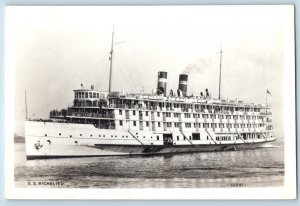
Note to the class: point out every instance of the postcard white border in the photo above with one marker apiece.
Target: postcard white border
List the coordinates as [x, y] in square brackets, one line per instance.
[288, 191]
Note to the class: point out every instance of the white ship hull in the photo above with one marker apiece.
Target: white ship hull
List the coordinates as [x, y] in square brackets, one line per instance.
[55, 140]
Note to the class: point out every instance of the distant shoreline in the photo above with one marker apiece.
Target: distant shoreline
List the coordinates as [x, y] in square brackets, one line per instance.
[19, 139]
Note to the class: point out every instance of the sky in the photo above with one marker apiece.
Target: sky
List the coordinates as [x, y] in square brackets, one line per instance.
[52, 50]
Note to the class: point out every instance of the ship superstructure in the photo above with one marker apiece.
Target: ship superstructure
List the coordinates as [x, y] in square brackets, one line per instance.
[117, 123]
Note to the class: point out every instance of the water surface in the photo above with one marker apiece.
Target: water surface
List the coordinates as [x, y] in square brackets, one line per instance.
[247, 168]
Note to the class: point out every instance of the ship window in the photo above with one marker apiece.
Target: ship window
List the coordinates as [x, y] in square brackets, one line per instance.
[158, 124]
[122, 136]
[115, 135]
[126, 136]
[59, 134]
[158, 114]
[136, 133]
[86, 94]
[99, 135]
[146, 113]
[121, 123]
[144, 137]
[190, 137]
[133, 112]
[94, 95]
[157, 137]
[45, 135]
[120, 112]
[97, 95]
[176, 124]
[147, 124]
[80, 135]
[103, 135]
[76, 142]
[134, 123]
[90, 95]
[187, 115]
[177, 137]
[70, 135]
[91, 135]
[111, 136]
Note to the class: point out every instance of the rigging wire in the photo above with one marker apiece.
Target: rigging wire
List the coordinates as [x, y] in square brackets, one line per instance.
[65, 89]
[135, 73]
[134, 84]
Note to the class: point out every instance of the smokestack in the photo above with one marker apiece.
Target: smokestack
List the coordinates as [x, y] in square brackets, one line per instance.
[183, 78]
[162, 83]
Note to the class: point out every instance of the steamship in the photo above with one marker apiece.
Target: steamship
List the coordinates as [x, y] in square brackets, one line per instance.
[116, 123]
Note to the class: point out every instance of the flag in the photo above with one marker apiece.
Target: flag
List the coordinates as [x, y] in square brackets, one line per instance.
[268, 92]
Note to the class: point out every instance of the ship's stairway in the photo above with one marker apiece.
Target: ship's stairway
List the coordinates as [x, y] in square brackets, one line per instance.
[264, 135]
[241, 137]
[135, 137]
[186, 138]
[211, 137]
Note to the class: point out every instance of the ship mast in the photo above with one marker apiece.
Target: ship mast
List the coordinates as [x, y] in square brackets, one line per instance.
[111, 60]
[220, 72]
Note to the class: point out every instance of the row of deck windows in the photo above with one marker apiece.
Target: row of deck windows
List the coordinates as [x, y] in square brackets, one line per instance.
[204, 125]
[185, 106]
[79, 95]
[204, 116]
[223, 138]
[218, 138]
[157, 137]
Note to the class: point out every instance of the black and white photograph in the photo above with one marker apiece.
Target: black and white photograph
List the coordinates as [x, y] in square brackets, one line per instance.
[127, 102]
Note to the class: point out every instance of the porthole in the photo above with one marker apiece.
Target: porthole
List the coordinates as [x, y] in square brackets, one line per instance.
[59, 134]
[103, 135]
[91, 135]
[111, 136]
[70, 135]
[144, 137]
[99, 135]
[80, 135]
[76, 142]
[115, 135]
[45, 135]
